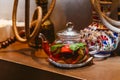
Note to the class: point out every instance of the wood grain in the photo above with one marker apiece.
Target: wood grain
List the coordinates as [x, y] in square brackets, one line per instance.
[20, 53]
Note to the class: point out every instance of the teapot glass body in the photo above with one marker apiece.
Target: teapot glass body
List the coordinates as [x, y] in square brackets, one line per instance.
[67, 48]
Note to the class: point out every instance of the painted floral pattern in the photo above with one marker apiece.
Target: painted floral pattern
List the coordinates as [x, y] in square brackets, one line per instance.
[99, 39]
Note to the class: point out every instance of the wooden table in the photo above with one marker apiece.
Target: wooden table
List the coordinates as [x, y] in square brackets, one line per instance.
[20, 53]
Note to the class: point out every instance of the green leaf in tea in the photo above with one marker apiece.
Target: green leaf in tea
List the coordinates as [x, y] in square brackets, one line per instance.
[55, 47]
[76, 46]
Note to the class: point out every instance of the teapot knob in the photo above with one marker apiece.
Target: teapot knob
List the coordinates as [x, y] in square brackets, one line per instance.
[69, 26]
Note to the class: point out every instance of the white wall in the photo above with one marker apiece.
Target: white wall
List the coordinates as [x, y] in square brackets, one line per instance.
[77, 11]
[6, 7]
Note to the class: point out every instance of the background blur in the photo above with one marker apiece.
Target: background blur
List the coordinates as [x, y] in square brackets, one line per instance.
[76, 11]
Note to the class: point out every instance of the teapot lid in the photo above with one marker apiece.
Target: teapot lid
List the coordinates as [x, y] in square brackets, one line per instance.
[69, 32]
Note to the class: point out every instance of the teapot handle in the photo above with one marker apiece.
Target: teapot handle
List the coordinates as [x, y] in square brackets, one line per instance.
[42, 37]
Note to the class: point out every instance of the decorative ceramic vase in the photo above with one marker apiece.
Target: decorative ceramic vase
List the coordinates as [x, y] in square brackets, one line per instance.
[101, 41]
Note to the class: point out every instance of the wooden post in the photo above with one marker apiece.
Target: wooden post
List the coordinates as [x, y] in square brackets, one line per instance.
[27, 8]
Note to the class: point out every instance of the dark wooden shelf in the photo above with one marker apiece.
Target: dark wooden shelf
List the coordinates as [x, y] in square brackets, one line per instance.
[20, 53]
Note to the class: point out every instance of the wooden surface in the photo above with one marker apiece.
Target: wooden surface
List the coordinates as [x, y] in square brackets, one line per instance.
[20, 53]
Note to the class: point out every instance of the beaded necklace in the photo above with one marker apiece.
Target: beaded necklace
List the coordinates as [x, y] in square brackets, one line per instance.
[11, 40]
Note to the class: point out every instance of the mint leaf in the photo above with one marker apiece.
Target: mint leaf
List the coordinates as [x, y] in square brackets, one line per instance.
[54, 47]
[76, 46]
[57, 51]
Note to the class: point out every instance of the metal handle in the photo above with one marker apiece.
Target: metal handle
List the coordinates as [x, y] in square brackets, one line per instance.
[37, 22]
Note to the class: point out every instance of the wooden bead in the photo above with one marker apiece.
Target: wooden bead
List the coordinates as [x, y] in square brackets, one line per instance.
[9, 41]
[6, 42]
[3, 45]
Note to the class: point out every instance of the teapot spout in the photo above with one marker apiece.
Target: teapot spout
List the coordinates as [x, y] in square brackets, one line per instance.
[45, 44]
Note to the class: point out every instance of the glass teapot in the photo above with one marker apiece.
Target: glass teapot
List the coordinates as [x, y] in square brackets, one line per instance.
[67, 50]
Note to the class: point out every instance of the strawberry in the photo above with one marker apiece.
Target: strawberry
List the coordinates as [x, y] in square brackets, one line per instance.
[66, 49]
